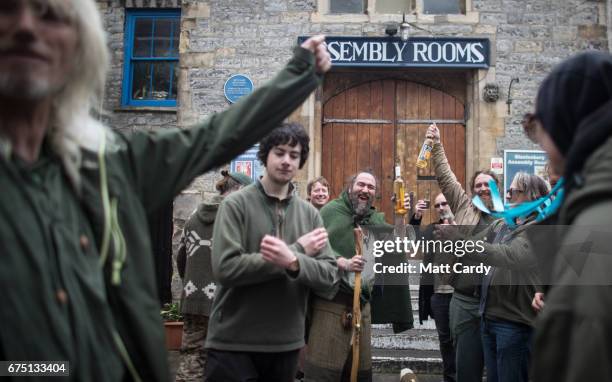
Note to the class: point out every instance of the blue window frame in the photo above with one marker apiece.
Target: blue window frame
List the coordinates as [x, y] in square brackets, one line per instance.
[151, 58]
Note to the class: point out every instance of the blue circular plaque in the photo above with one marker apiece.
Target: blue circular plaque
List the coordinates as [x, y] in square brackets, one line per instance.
[237, 86]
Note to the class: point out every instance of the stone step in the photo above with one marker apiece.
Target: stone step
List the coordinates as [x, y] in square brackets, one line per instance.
[427, 362]
[417, 348]
[422, 337]
[415, 339]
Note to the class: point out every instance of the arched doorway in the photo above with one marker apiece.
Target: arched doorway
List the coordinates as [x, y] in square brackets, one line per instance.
[373, 124]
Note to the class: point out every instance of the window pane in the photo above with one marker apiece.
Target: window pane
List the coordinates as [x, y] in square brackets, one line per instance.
[142, 37]
[154, 81]
[174, 88]
[164, 38]
[346, 6]
[393, 6]
[141, 80]
[176, 34]
[441, 7]
[164, 81]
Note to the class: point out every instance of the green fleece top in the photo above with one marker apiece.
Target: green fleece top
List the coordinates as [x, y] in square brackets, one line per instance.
[58, 301]
[259, 306]
[387, 301]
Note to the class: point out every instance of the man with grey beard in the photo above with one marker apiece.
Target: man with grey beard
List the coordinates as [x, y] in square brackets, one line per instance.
[327, 357]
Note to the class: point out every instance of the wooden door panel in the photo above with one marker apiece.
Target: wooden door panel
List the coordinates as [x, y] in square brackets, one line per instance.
[387, 149]
[337, 145]
[359, 146]
[351, 132]
[424, 103]
[360, 143]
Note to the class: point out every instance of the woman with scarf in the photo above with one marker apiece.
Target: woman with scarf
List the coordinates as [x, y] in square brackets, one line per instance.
[573, 123]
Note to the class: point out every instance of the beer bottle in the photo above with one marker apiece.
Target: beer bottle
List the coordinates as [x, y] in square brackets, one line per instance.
[425, 153]
[399, 191]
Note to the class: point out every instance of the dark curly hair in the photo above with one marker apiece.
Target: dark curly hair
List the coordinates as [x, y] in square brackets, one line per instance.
[485, 172]
[289, 133]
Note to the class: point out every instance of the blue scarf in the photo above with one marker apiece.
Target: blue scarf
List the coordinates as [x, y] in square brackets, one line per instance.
[543, 207]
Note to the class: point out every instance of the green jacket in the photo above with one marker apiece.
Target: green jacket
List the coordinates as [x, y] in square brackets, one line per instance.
[260, 307]
[338, 218]
[194, 255]
[515, 273]
[59, 302]
[573, 334]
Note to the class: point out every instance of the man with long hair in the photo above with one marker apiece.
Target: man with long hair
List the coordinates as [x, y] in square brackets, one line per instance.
[463, 309]
[77, 269]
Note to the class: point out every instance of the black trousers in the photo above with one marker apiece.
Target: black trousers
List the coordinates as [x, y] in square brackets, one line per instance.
[230, 366]
[439, 305]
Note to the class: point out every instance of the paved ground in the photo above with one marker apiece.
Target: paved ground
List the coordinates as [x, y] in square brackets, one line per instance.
[174, 356]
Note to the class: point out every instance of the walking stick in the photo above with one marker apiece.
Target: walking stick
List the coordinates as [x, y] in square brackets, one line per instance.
[356, 308]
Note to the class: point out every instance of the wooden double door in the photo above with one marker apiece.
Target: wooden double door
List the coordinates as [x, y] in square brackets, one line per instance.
[378, 123]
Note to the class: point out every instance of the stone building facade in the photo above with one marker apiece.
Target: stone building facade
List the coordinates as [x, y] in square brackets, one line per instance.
[219, 38]
[223, 37]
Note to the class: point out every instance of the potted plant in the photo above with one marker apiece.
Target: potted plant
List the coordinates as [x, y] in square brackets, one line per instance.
[173, 324]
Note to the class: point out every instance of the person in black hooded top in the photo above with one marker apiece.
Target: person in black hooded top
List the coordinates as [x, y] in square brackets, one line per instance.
[573, 123]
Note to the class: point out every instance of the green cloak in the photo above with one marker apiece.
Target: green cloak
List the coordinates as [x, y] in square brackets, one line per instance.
[389, 303]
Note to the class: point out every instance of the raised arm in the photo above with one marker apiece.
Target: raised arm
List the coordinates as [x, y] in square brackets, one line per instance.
[447, 181]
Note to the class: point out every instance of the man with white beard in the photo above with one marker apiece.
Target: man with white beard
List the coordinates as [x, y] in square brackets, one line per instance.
[76, 269]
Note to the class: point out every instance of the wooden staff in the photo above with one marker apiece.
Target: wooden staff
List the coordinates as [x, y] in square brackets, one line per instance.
[356, 307]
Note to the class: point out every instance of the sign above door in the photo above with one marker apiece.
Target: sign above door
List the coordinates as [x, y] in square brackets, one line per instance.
[451, 52]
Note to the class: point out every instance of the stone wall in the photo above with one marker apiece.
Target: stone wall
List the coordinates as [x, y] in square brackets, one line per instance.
[223, 37]
[123, 118]
[531, 37]
[609, 24]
